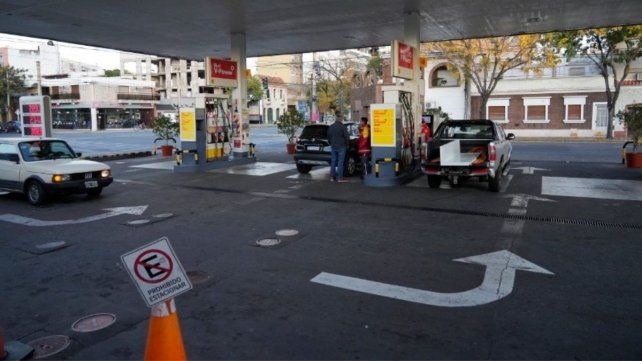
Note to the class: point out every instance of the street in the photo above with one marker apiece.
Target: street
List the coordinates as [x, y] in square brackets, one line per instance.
[537, 271]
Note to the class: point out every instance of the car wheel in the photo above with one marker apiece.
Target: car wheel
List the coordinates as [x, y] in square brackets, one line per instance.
[434, 181]
[350, 167]
[94, 192]
[494, 183]
[303, 168]
[36, 193]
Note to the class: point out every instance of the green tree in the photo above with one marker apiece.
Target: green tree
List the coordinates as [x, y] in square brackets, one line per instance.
[484, 62]
[13, 81]
[612, 50]
[254, 89]
[289, 124]
[112, 73]
[375, 64]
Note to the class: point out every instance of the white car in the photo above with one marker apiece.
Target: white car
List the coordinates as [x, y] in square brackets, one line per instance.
[39, 167]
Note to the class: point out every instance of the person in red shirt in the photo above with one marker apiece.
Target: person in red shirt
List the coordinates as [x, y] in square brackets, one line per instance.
[425, 130]
[364, 145]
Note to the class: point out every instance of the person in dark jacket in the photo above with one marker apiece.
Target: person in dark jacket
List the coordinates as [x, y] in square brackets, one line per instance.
[338, 138]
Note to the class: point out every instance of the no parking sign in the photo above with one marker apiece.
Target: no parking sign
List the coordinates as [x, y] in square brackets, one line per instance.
[156, 271]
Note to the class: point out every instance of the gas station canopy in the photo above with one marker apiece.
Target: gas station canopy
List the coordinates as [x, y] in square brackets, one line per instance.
[194, 29]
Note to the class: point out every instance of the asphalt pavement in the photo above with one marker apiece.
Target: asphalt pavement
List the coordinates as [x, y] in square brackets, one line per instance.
[374, 273]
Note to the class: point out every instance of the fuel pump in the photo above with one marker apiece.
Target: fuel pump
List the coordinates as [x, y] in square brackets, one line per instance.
[393, 140]
[206, 133]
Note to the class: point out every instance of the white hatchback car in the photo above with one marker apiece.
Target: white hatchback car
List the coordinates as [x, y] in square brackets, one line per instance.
[39, 167]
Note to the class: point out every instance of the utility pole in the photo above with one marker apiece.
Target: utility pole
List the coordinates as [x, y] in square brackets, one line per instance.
[38, 78]
[6, 73]
[314, 116]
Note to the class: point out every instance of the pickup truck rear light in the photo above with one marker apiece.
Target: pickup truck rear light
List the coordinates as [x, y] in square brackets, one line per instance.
[492, 154]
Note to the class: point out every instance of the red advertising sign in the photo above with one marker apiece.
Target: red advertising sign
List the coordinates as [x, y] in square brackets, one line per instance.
[403, 60]
[221, 72]
[406, 55]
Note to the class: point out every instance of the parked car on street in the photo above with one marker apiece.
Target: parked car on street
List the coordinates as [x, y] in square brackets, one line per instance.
[13, 126]
[40, 167]
[313, 148]
[483, 152]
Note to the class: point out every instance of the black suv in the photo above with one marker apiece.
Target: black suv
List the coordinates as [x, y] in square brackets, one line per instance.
[313, 148]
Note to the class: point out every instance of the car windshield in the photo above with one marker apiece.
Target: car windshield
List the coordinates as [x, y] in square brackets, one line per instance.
[467, 131]
[45, 149]
[314, 132]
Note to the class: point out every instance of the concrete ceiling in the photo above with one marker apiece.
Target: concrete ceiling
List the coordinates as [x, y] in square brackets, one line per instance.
[194, 29]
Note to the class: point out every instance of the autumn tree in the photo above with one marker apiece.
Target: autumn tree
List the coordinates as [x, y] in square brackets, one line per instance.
[612, 50]
[13, 81]
[484, 62]
[333, 86]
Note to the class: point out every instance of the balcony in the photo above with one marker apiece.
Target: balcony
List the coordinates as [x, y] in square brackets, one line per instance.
[65, 96]
[130, 96]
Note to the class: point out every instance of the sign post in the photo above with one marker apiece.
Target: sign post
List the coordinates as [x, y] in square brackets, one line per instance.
[35, 116]
[156, 272]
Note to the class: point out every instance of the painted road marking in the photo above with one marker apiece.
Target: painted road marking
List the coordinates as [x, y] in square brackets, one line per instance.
[257, 169]
[167, 165]
[518, 204]
[498, 282]
[111, 212]
[628, 190]
[531, 170]
[156, 272]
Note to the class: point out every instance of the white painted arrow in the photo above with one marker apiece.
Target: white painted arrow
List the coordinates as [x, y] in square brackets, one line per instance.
[531, 170]
[111, 212]
[521, 200]
[498, 283]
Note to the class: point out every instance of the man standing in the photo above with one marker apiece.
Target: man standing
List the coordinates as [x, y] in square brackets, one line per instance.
[338, 138]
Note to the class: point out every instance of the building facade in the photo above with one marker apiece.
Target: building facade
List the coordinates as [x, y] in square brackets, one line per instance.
[289, 69]
[97, 103]
[566, 101]
[274, 103]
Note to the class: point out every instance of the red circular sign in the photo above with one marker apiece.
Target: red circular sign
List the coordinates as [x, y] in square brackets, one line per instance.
[153, 270]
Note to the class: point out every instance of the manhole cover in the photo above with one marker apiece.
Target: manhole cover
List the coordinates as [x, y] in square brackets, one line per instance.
[49, 345]
[163, 215]
[268, 242]
[287, 232]
[198, 276]
[138, 222]
[93, 323]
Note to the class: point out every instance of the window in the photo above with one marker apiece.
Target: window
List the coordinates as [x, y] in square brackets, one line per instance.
[536, 110]
[277, 113]
[574, 109]
[497, 110]
[467, 131]
[45, 149]
[6, 150]
[281, 94]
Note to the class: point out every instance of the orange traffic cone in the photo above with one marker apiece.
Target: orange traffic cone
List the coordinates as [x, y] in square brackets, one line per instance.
[164, 340]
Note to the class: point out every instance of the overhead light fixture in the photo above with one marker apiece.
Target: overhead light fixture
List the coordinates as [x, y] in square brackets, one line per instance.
[533, 20]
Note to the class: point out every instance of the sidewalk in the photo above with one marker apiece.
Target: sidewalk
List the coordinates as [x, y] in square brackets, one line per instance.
[568, 140]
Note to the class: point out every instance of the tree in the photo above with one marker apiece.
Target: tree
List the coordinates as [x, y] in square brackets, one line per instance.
[612, 50]
[333, 87]
[112, 73]
[254, 89]
[484, 62]
[13, 80]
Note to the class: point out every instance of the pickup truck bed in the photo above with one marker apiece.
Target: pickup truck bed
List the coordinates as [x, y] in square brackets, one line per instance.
[474, 148]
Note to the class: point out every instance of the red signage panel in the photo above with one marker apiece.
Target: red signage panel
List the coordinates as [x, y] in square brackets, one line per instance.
[220, 72]
[406, 55]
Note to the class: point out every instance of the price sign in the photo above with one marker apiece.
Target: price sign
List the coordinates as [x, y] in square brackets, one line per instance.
[35, 115]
